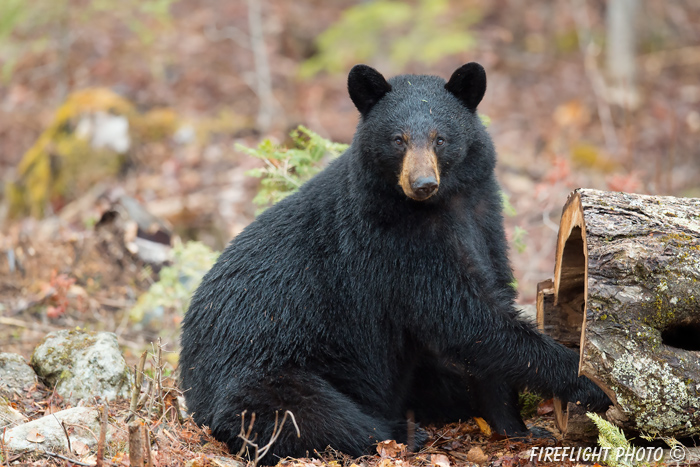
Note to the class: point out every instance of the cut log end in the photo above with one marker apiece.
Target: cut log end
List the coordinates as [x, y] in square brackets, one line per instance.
[571, 273]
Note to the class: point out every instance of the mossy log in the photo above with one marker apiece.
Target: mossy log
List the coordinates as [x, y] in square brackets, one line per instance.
[629, 267]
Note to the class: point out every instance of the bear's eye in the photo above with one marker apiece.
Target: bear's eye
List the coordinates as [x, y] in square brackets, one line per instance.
[440, 141]
[399, 141]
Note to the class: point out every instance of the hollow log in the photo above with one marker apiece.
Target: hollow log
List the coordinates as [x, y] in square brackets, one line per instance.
[560, 322]
[629, 267]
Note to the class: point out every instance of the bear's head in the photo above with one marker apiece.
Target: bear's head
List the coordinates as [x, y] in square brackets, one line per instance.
[416, 129]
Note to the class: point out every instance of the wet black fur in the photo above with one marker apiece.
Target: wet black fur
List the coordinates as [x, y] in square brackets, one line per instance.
[351, 305]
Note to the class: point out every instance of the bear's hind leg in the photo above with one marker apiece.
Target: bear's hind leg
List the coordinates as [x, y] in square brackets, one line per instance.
[325, 417]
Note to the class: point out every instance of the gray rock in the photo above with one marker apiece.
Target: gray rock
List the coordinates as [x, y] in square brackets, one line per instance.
[46, 433]
[15, 374]
[82, 365]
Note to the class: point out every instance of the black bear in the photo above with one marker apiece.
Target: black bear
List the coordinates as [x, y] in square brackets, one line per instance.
[381, 288]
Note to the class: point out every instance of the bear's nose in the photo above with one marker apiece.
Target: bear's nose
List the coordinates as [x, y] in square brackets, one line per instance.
[424, 187]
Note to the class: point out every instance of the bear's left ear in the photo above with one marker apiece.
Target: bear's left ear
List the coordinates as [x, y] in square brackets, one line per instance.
[366, 86]
[468, 84]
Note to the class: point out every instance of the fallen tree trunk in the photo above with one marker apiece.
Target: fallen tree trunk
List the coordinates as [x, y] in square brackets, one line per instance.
[627, 282]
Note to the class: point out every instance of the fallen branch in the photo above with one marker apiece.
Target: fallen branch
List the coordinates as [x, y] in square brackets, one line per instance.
[627, 282]
[72, 461]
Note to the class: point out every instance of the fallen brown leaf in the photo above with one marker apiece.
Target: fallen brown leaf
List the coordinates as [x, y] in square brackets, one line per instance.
[476, 455]
[35, 437]
[440, 460]
[79, 447]
[483, 426]
[545, 407]
[390, 448]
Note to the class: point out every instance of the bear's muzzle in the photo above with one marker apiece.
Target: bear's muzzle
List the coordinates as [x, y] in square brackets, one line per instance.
[420, 176]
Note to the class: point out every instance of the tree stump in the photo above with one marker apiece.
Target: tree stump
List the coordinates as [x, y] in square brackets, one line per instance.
[627, 282]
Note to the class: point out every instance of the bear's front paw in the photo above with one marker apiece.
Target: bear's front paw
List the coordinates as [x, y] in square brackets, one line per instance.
[592, 397]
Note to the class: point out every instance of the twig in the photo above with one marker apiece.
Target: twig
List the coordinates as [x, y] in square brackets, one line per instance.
[4, 448]
[147, 436]
[158, 364]
[86, 428]
[176, 405]
[103, 436]
[72, 461]
[276, 432]
[172, 438]
[65, 431]
[136, 388]
[245, 436]
[146, 395]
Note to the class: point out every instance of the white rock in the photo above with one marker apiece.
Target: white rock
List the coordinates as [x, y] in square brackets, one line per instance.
[105, 130]
[49, 432]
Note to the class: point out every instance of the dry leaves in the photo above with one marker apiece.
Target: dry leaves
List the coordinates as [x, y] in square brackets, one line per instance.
[91, 459]
[391, 448]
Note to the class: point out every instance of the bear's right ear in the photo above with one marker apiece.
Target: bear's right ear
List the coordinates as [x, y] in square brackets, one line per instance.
[468, 84]
[366, 86]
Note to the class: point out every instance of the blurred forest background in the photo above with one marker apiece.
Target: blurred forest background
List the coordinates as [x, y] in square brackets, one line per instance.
[141, 109]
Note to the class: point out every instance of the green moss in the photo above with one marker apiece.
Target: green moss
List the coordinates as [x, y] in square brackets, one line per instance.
[65, 374]
[677, 237]
[528, 403]
[60, 354]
